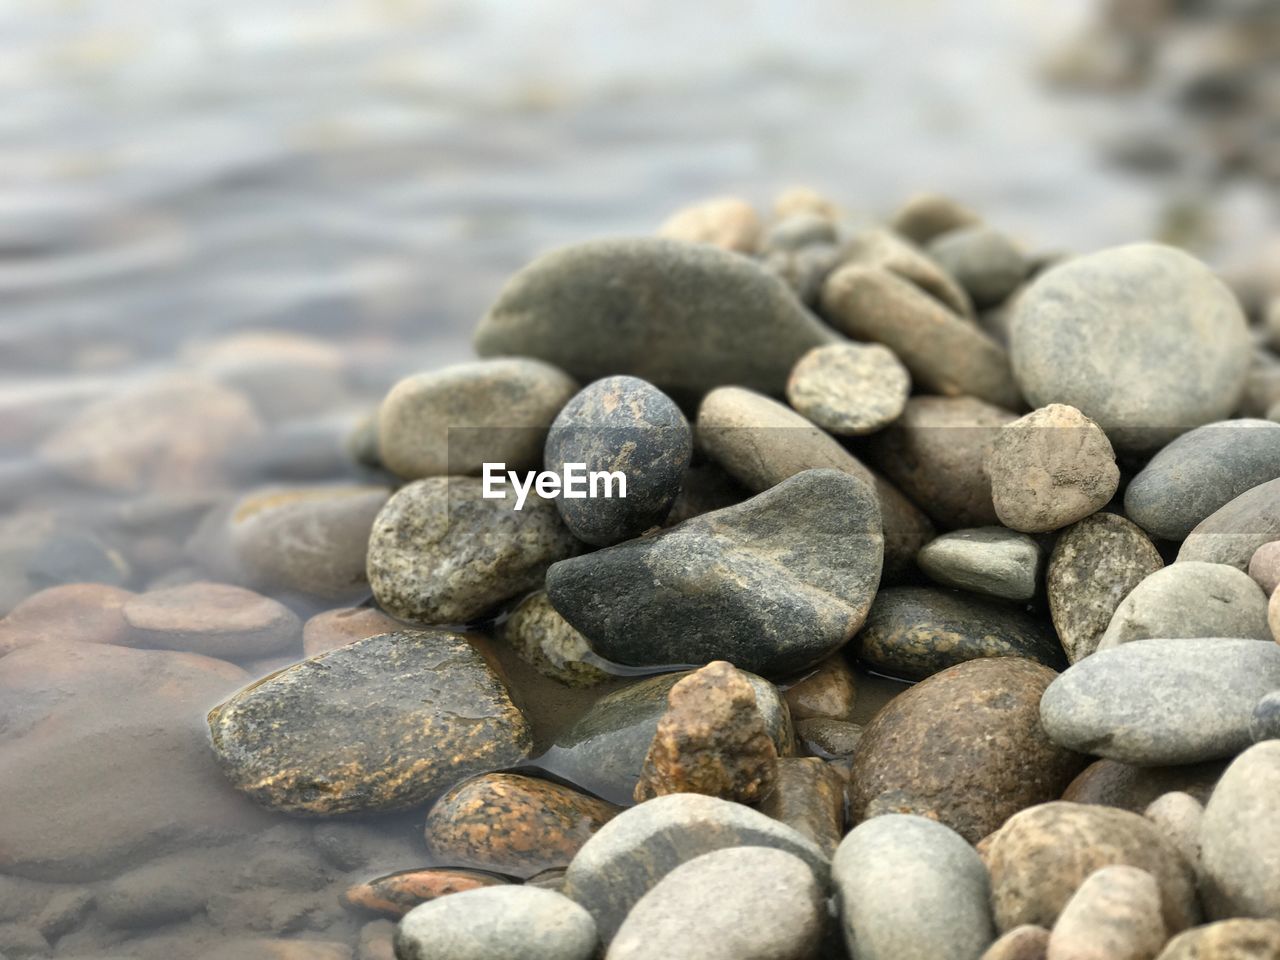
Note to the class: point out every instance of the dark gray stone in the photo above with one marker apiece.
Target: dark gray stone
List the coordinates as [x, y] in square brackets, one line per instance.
[1234, 531]
[1265, 722]
[528, 923]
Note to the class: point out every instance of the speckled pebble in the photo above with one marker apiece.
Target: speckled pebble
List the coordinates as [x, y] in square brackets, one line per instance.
[546, 641]
[508, 921]
[850, 389]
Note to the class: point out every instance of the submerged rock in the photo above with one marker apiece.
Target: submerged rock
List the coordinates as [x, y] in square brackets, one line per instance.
[504, 921]
[396, 894]
[548, 643]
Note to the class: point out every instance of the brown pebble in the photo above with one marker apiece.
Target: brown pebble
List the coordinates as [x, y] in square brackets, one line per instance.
[829, 739]
[215, 619]
[1027, 942]
[377, 941]
[727, 222]
[893, 252]
[928, 215]
[829, 692]
[1111, 783]
[1178, 816]
[804, 200]
[79, 612]
[809, 797]
[336, 628]
[396, 894]
[1114, 915]
[1264, 566]
[1227, 940]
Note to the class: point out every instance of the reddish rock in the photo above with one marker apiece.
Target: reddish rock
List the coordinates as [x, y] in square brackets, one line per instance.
[809, 798]
[79, 612]
[829, 692]
[216, 619]
[398, 893]
[336, 628]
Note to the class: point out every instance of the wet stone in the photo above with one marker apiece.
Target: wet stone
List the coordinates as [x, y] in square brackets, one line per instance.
[726, 222]
[829, 739]
[396, 894]
[215, 619]
[1240, 838]
[504, 921]
[808, 796]
[984, 261]
[992, 561]
[337, 628]
[1233, 532]
[382, 724]
[73, 612]
[849, 389]
[545, 640]
[829, 691]
[511, 824]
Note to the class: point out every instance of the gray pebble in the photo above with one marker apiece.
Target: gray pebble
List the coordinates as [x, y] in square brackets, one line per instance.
[515, 922]
[1240, 838]
[1265, 722]
[993, 561]
[985, 262]
[1233, 532]
[850, 389]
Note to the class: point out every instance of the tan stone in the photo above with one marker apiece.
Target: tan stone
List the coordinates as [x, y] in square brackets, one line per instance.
[727, 222]
[336, 628]
[71, 612]
[828, 692]
[1114, 915]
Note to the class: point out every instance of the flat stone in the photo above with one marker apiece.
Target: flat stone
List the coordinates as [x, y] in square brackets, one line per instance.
[911, 889]
[1232, 533]
[268, 948]
[726, 222]
[511, 824]
[983, 260]
[927, 216]
[772, 585]
[215, 619]
[548, 643]
[829, 739]
[1118, 703]
[829, 691]
[1049, 469]
[808, 796]
[1264, 723]
[914, 632]
[1027, 942]
[992, 561]
[884, 249]
[1113, 784]
[453, 421]
[1240, 838]
[1093, 567]
[396, 894]
[1190, 599]
[1042, 855]
[1199, 473]
[1120, 334]
[1114, 914]
[381, 724]
[1178, 816]
[741, 903]
[963, 747]
[685, 317]
[507, 921]
[70, 612]
[1227, 940]
[636, 849]
[850, 389]
[1264, 566]
[337, 628]
[442, 553]
[621, 425]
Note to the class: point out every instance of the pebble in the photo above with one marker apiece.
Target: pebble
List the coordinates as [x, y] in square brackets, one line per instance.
[1190, 599]
[1234, 532]
[911, 889]
[1264, 566]
[441, 553]
[453, 421]
[1094, 565]
[829, 739]
[1027, 942]
[71, 612]
[927, 216]
[884, 249]
[1113, 915]
[1114, 784]
[808, 796]
[707, 487]
[945, 352]
[1273, 615]
[992, 561]
[726, 222]
[935, 453]
[801, 229]
[545, 640]
[395, 895]
[627, 426]
[1178, 815]
[850, 389]
[772, 585]
[1240, 838]
[829, 691]
[684, 317]
[914, 632]
[504, 921]
[1042, 855]
[804, 270]
[1120, 334]
[309, 540]
[377, 941]
[511, 824]
[215, 619]
[983, 260]
[740, 903]
[1264, 724]
[1227, 940]
[380, 724]
[963, 747]
[337, 628]
[23, 942]
[276, 949]
[1199, 473]
[636, 849]
[1049, 469]
[1162, 701]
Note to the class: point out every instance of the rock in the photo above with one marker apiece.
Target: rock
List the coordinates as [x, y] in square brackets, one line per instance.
[1264, 724]
[945, 353]
[883, 249]
[1200, 472]
[505, 921]
[743, 903]
[798, 200]
[395, 895]
[1178, 816]
[337, 628]
[41, 549]
[605, 748]
[627, 426]
[1232, 533]
[441, 553]
[1240, 839]
[1264, 566]
[804, 270]
[1114, 784]
[381, 724]
[963, 747]
[72, 612]
[23, 942]
[1114, 915]
[277, 949]
[377, 941]
[1120, 334]
[830, 691]
[1116, 703]
[685, 317]
[1027, 942]
[167, 890]
[799, 230]
[829, 739]
[914, 632]
[636, 849]
[453, 421]
[1273, 615]
[707, 487]
[927, 216]
[992, 561]
[170, 434]
[1093, 567]
[1190, 599]
[286, 375]
[772, 585]
[545, 640]
[514, 825]
[309, 540]
[1227, 940]
[711, 740]
[726, 222]
[935, 452]
[808, 796]
[215, 619]
[1042, 855]
[761, 443]
[64, 912]
[850, 388]
[1049, 469]
[77, 713]
[985, 262]
[911, 889]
